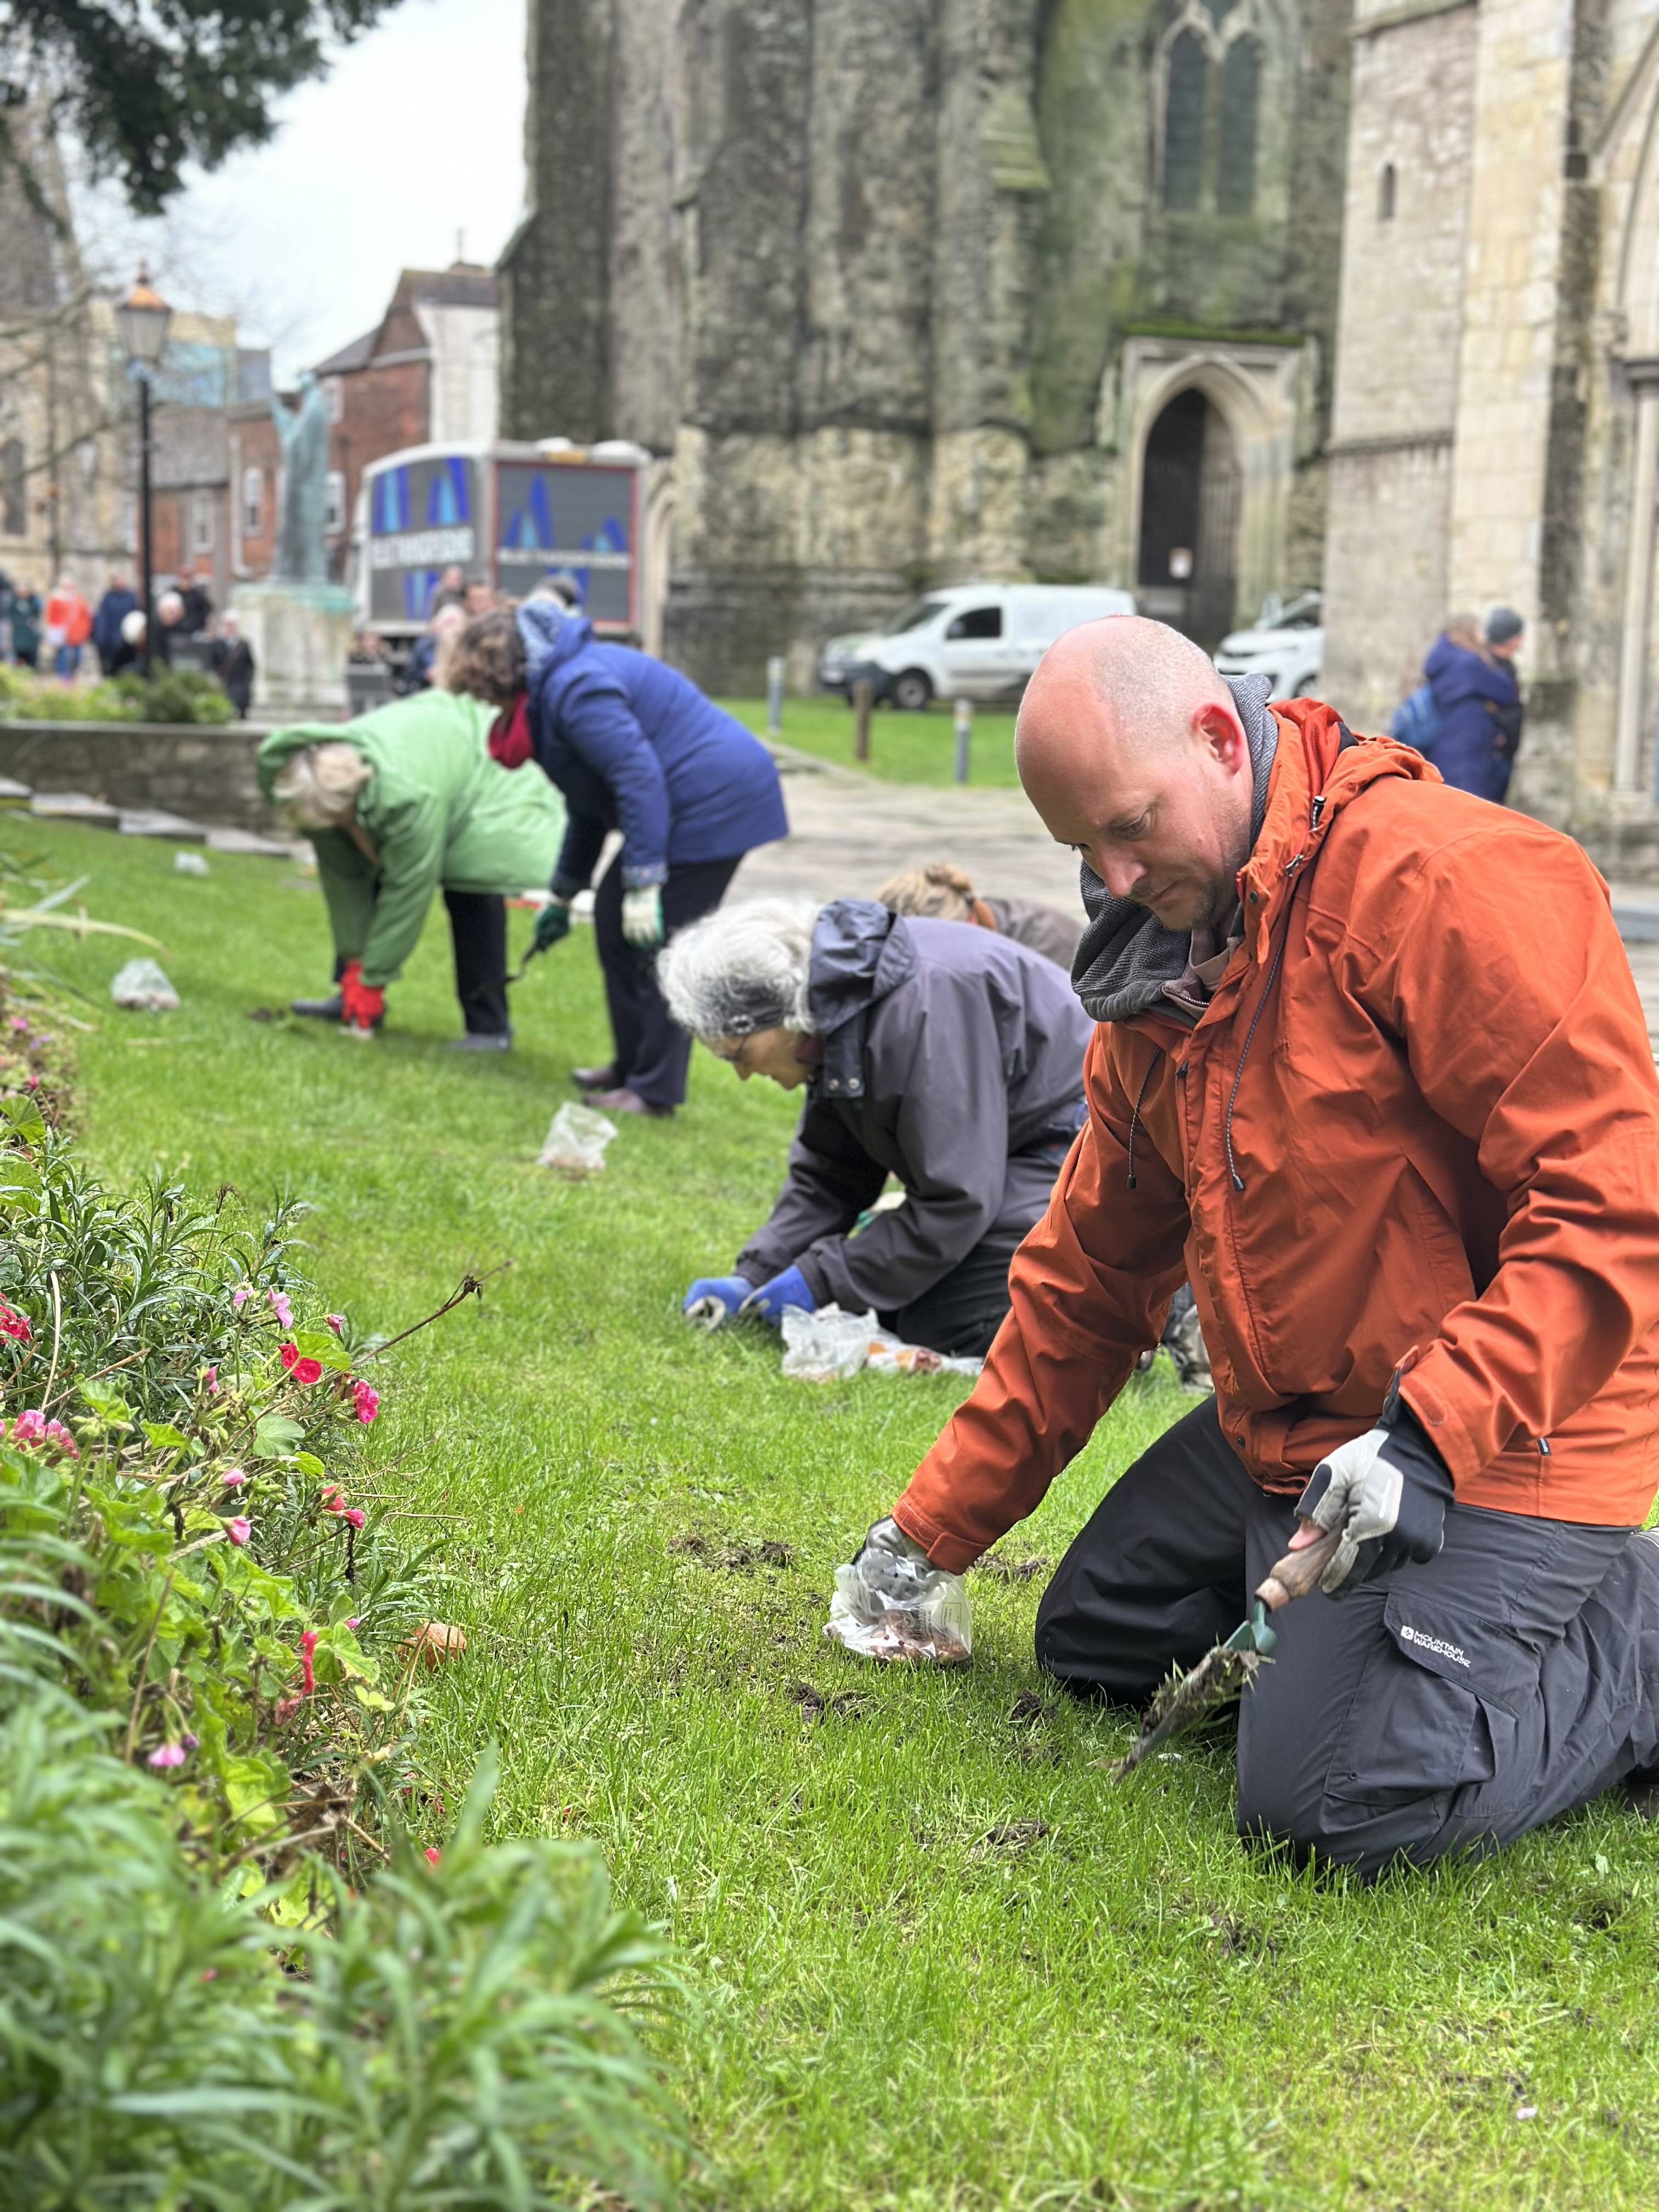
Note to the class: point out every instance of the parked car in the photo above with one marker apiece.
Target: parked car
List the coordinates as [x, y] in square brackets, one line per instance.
[1287, 644]
[968, 641]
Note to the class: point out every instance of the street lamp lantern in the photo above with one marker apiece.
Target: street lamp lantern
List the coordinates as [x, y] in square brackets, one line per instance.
[143, 317]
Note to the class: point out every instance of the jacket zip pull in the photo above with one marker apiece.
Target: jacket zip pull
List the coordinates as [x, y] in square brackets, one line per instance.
[1317, 810]
[1134, 1118]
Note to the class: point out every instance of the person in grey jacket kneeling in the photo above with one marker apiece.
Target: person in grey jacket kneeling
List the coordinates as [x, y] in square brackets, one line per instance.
[949, 1058]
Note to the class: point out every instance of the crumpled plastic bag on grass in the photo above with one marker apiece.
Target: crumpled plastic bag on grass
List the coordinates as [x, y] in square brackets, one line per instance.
[828, 1346]
[891, 1603]
[142, 984]
[576, 1138]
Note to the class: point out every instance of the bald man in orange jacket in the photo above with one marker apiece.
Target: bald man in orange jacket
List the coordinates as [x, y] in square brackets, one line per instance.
[1370, 1072]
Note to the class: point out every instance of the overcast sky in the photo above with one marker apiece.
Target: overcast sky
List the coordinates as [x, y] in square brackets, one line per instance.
[415, 136]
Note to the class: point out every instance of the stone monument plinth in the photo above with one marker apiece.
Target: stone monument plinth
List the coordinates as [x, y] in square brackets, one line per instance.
[301, 635]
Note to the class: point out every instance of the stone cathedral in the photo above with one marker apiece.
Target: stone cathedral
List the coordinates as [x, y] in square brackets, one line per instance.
[1208, 297]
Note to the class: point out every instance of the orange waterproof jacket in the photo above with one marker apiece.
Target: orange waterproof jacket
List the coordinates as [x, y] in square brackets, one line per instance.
[1429, 1060]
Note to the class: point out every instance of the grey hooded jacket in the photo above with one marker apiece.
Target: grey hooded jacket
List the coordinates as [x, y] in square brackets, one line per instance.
[953, 1059]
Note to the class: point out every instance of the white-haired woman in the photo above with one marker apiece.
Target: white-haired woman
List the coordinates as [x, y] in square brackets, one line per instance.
[398, 805]
[949, 1058]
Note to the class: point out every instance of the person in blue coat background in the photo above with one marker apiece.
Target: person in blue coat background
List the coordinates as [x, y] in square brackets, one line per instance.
[635, 746]
[1477, 702]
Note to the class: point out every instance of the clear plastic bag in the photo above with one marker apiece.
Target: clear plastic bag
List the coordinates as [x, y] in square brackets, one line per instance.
[576, 1138]
[829, 1345]
[142, 984]
[891, 1603]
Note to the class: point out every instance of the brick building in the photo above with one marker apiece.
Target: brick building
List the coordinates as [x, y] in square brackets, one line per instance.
[425, 374]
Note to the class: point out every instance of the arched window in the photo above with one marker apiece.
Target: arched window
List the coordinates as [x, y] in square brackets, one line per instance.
[1211, 63]
[1241, 86]
[1184, 122]
[1387, 189]
[13, 504]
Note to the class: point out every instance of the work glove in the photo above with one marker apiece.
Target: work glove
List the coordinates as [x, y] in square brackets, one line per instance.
[1388, 1492]
[712, 1300]
[767, 1304]
[552, 924]
[642, 916]
[891, 1603]
[362, 1005]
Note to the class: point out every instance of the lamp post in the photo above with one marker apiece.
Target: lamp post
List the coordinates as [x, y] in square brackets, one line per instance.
[143, 317]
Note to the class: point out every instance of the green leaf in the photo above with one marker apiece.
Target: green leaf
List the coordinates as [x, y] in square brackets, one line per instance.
[165, 1436]
[276, 1436]
[324, 1347]
[255, 1786]
[308, 1463]
[374, 1701]
[107, 1402]
[27, 1119]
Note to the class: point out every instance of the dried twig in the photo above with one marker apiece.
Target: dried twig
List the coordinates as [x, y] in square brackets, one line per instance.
[472, 1286]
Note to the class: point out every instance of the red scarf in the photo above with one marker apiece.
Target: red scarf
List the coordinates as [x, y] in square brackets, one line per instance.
[509, 733]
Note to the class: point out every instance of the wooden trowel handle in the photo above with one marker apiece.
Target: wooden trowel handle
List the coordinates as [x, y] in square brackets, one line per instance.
[1298, 1572]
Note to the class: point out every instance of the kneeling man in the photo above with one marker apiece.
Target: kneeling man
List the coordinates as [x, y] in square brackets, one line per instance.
[950, 1058]
[1371, 1071]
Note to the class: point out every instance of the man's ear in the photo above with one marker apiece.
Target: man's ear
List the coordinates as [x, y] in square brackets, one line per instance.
[1223, 733]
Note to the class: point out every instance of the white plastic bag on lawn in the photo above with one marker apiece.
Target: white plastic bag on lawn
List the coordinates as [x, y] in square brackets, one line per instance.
[891, 1603]
[828, 1346]
[576, 1138]
[142, 984]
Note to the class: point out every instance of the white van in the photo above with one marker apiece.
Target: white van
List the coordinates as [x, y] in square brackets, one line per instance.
[968, 642]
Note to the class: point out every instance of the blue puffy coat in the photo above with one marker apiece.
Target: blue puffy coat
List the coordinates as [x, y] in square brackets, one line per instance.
[1478, 702]
[635, 746]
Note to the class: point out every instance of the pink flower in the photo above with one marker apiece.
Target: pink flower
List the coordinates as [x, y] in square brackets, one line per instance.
[278, 1299]
[211, 1376]
[189, 1741]
[29, 1427]
[366, 1399]
[355, 1515]
[286, 1708]
[334, 1499]
[302, 1371]
[20, 1021]
[307, 1646]
[240, 1295]
[166, 1754]
[336, 1322]
[57, 1435]
[233, 1477]
[238, 1528]
[14, 1324]
[354, 1620]
[33, 1081]
[433, 1855]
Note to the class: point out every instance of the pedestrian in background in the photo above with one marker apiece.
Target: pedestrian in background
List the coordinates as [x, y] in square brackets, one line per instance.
[634, 745]
[27, 614]
[230, 657]
[68, 625]
[446, 621]
[195, 603]
[117, 603]
[1477, 701]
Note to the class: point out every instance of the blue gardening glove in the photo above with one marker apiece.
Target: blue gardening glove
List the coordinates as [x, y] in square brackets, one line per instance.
[552, 924]
[714, 1299]
[788, 1289]
[1388, 1492]
[641, 917]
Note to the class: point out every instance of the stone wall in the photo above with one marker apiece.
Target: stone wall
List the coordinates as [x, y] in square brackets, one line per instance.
[206, 775]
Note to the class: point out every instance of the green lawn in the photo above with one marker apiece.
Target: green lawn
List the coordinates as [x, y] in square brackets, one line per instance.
[939, 1964]
[903, 748]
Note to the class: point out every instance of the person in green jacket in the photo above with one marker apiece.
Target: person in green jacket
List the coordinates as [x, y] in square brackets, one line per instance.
[397, 805]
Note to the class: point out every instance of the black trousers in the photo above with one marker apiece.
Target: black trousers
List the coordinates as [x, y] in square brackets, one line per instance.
[478, 929]
[1449, 1707]
[652, 1051]
[963, 1310]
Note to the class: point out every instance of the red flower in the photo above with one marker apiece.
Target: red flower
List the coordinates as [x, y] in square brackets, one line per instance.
[12, 1323]
[431, 1854]
[334, 1499]
[367, 1401]
[355, 1515]
[302, 1371]
[308, 1645]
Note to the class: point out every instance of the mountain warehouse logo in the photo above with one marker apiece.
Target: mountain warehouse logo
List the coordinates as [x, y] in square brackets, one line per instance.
[1455, 1652]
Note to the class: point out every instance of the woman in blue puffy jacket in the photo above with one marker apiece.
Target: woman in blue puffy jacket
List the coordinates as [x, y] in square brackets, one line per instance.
[1478, 703]
[634, 746]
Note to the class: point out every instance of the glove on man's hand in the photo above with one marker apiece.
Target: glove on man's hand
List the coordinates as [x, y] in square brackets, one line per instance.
[362, 1005]
[552, 924]
[788, 1289]
[728, 1291]
[891, 1603]
[1388, 1492]
[641, 917]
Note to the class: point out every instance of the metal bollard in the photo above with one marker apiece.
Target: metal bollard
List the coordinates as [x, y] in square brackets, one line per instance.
[965, 727]
[863, 698]
[774, 696]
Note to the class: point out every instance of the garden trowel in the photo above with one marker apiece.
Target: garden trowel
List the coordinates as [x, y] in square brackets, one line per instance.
[1223, 1672]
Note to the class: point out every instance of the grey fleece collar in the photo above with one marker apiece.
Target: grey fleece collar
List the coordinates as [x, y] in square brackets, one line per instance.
[1127, 956]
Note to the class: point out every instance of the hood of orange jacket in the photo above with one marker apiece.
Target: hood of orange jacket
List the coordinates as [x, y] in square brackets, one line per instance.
[1415, 1131]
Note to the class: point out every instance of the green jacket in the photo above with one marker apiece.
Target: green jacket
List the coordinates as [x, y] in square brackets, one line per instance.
[439, 813]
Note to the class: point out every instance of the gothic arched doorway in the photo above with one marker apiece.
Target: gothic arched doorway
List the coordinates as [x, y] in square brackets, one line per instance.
[1188, 564]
